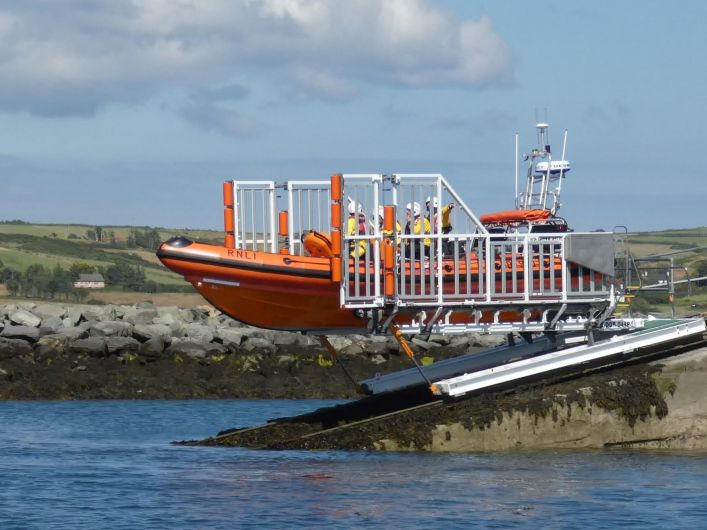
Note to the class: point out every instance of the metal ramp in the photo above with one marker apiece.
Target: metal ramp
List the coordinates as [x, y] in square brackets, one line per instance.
[543, 365]
[617, 342]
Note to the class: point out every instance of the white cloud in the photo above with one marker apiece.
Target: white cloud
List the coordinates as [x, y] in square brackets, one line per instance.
[76, 56]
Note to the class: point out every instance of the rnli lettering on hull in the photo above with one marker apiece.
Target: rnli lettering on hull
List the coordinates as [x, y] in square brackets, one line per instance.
[241, 254]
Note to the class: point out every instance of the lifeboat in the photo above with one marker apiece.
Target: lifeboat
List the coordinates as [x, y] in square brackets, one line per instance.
[297, 293]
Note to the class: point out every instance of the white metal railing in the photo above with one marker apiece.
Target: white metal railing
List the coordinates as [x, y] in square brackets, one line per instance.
[361, 238]
[254, 215]
[255, 207]
[309, 208]
[460, 265]
[443, 255]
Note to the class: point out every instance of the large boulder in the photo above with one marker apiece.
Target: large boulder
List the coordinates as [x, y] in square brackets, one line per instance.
[425, 344]
[93, 346]
[99, 313]
[74, 333]
[73, 316]
[438, 338]
[258, 333]
[27, 306]
[169, 316]
[139, 316]
[51, 324]
[44, 311]
[194, 350]
[488, 341]
[152, 348]
[6, 310]
[50, 345]
[339, 342]
[143, 333]
[187, 315]
[284, 338]
[305, 341]
[27, 333]
[172, 321]
[111, 329]
[22, 317]
[258, 344]
[199, 333]
[375, 348]
[115, 345]
[459, 341]
[352, 350]
[229, 336]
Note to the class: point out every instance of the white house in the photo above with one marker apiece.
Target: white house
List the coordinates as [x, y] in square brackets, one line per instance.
[90, 281]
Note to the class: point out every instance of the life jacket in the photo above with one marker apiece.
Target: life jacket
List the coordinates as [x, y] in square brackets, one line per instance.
[356, 226]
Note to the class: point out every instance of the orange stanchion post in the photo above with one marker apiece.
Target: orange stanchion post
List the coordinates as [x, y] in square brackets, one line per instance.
[229, 217]
[388, 268]
[389, 219]
[336, 191]
[283, 232]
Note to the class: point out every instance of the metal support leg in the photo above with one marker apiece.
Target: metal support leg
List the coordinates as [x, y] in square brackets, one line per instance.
[404, 345]
[332, 351]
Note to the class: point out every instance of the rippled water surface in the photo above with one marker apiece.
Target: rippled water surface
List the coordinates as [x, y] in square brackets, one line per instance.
[111, 465]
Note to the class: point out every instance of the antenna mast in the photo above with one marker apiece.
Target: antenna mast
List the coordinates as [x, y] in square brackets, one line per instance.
[543, 171]
[516, 195]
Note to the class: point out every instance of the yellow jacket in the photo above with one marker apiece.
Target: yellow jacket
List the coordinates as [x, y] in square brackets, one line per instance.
[398, 230]
[356, 248]
[446, 211]
[446, 223]
[421, 223]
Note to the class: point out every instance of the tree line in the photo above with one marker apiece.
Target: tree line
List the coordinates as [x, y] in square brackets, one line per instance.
[149, 239]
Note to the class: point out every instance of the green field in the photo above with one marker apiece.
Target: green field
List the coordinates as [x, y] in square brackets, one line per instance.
[22, 245]
[687, 247]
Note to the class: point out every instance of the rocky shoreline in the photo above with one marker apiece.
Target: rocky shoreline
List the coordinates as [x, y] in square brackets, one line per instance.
[53, 351]
[58, 351]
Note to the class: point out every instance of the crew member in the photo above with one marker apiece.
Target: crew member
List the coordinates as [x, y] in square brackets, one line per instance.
[432, 206]
[356, 225]
[417, 225]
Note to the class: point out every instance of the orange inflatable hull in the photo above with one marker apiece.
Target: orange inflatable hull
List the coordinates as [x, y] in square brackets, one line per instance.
[514, 216]
[296, 293]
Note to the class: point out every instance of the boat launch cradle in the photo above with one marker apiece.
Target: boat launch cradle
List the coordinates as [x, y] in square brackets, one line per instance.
[406, 249]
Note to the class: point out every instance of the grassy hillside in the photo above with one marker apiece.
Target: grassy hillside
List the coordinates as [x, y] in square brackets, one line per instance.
[24, 244]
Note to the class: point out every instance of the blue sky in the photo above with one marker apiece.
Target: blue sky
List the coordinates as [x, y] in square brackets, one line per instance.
[134, 112]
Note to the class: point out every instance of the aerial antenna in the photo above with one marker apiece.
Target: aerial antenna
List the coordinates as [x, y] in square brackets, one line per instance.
[557, 204]
[516, 196]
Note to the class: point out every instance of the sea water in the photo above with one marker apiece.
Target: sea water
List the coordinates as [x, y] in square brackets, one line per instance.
[111, 464]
